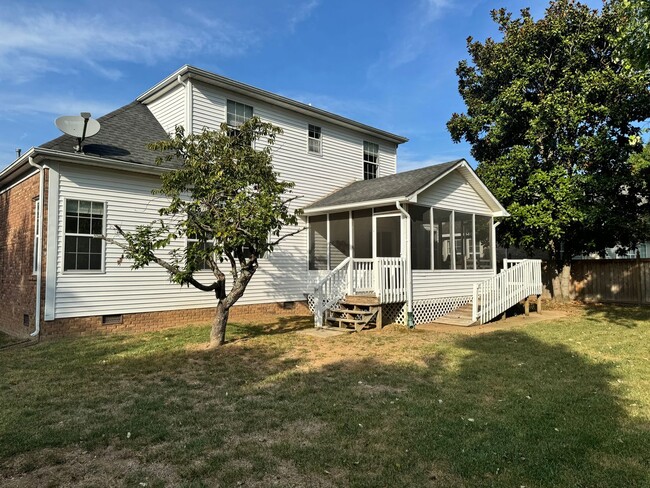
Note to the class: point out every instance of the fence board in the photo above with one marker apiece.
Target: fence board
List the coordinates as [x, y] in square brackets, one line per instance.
[611, 280]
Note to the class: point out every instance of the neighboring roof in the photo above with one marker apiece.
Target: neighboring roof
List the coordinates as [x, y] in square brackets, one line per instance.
[211, 78]
[124, 135]
[393, 187]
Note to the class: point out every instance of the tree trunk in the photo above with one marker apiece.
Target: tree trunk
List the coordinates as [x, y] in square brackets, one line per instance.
[218, 332]
[561, 282]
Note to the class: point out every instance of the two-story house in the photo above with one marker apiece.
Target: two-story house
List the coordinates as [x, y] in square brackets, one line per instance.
[417, 241]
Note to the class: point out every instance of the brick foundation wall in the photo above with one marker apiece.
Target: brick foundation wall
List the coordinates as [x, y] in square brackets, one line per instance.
[17, 281]
[151, 321]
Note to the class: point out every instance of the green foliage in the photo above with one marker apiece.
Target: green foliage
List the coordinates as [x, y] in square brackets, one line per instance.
[552, 118]
[633, 32]
[225, 197]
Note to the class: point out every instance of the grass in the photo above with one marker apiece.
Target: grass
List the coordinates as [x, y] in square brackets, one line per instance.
[559, 403]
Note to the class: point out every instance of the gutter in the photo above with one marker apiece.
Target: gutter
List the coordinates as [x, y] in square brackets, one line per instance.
[409, 274]
[39, 272]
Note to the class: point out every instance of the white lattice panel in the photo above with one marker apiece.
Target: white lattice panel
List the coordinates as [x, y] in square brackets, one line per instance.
[425, 311]
[393, 313]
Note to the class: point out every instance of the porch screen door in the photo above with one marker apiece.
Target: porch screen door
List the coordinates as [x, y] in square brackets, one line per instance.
[388, 236]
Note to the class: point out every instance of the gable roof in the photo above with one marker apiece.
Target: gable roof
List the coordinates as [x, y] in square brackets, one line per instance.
[124, 135]
[393, 187]
[192, 73]
[397, 187]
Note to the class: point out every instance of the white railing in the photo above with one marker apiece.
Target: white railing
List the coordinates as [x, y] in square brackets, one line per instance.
[385, 277]
[519, 279]
[330, 290]
[390, 280]
[361, 281]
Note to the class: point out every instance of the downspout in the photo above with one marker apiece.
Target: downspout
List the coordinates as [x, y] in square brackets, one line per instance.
[39, 272]
[409, 274]
[494, 246]
[189, 129]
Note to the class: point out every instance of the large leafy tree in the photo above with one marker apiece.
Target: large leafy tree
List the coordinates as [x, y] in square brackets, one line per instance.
[552, 117]
[633, 32]
[227, 200]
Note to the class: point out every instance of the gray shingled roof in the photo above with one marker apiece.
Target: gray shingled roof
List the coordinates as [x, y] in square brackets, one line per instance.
[393, 186]
[124, 135]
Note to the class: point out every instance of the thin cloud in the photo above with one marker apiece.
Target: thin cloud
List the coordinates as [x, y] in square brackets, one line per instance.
[12, 104]
[302, 13]
[51, 41]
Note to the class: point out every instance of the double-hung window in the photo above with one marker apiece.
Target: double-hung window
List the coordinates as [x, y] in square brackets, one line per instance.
[196, 249]
[82, 250]
[314, 140]
[370, 160]
[236, 114]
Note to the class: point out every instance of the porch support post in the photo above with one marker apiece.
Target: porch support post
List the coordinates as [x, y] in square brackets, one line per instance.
[408, 275]
[494, 245]
[351, 253]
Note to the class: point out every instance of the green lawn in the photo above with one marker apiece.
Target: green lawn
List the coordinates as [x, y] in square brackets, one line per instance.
[559, 403]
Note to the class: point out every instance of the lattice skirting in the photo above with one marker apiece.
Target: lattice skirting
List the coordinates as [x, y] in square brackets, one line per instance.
[393, 313]
[425, 311]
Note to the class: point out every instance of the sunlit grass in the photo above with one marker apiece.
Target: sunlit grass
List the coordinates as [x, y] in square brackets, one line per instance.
[562, 403]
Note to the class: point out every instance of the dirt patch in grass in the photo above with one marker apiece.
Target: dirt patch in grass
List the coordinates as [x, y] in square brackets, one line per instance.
[71, 467]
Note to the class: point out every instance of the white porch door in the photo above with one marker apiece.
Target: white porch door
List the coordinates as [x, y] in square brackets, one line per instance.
[388, 236]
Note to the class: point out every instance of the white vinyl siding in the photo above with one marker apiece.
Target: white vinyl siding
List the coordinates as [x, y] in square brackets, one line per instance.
[446, 283]
[453, 192]
[340, 165]
[129, 202]
[169, 109]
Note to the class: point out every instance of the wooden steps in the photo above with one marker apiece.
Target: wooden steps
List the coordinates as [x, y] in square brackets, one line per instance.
[357, 311]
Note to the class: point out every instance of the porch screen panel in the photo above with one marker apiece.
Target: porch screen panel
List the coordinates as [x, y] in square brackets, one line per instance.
[318, 242]
[339, 238]
[420, 237]
[442, 239]
[483, 242]
[463, 234]
[362, 224]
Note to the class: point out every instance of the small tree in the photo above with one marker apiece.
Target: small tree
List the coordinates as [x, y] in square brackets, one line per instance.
[225, 197]
[552, 119]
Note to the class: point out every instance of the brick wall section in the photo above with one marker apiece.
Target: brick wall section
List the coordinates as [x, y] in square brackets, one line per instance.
[151, 321]
[17, 282]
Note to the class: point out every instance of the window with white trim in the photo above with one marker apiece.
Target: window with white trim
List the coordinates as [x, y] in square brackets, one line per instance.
[199, 263]
[314, 140]
[82, 250]
[37, 236]
[370, 160]
[236, 114]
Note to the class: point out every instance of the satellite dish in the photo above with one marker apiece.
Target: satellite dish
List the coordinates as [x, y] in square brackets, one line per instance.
[79, 126]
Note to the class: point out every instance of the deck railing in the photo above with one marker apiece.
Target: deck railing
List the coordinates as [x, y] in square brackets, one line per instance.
[385, 277]
[330, 290]
[519, 279]
[390, 280]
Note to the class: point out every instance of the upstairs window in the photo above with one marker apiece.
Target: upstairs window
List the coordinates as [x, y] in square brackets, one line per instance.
[82, 250]
[314, 141]
[236, 114]
[370, 160]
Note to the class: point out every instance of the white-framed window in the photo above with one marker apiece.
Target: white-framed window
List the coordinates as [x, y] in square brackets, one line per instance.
[84, 219]
[314, 139]
[370, 160]
[200, 264]
[37, 236]
[236, 114]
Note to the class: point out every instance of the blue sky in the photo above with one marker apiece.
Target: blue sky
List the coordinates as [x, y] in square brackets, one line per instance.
[389, 64]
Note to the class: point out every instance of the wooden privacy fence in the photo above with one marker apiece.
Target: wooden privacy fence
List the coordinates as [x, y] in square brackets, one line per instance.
[611, 280]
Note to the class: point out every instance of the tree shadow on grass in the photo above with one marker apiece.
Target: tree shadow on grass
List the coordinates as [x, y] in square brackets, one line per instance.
[501, 409]
[627, 316]
[280, 325]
